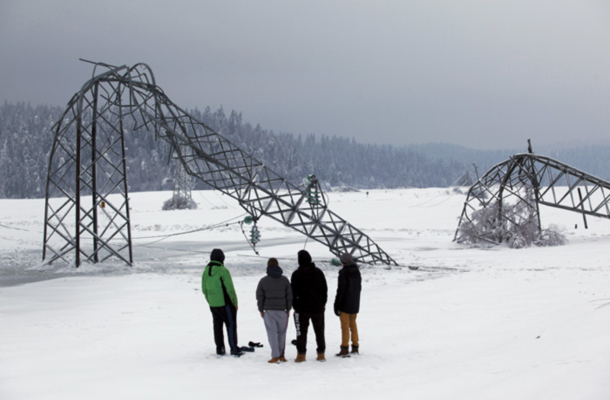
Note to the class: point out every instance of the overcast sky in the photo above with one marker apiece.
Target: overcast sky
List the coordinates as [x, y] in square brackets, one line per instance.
[485, 74]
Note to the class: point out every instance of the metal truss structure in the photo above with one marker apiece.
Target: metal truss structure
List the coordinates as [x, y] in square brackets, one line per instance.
[87, 193]
[529, 180]
[183, 194]
[182, 185]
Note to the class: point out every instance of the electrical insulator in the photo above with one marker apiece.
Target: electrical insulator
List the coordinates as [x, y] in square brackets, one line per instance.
[313, 197]
[255, 235]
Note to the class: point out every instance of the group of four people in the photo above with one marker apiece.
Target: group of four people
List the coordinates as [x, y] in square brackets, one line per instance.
[306, 293]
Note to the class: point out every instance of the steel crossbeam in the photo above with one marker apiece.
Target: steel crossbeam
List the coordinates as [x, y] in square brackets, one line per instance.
[88, 158]
[553, 183]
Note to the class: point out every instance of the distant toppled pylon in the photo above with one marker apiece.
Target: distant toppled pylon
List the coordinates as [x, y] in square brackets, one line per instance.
[182, 198]
[528, 180]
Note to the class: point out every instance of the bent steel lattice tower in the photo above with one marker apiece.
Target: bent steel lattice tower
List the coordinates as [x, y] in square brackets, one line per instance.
[87, 202]
[530, 180]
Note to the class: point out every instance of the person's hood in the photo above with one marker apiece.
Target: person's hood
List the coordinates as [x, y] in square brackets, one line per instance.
[274, 271]
[217, 255]
[351, 270]
[308, 268]
[213, 267]
[304, 258]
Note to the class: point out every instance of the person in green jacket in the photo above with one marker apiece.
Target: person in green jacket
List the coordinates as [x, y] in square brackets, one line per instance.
[217, 287]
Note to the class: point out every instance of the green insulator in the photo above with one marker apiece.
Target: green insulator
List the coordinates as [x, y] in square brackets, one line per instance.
[255, 235]
[336, 262]
[248, 220]
[313, 197]
[307, 180]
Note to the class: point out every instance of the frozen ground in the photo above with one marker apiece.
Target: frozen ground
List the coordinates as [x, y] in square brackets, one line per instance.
[468, 324]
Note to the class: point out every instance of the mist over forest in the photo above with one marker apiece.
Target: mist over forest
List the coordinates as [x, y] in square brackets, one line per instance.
[26, 138]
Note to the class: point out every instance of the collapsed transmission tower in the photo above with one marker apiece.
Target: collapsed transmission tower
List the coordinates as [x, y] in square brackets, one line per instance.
[87, 202]
[530, 180]
[182, 198]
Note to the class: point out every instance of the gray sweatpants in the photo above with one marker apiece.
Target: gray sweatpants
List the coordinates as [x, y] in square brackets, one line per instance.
[276, 322]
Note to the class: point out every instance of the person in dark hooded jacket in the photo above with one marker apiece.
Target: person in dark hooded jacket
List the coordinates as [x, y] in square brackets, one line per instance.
[347, 303]
[217, 287]
[274, 300]
[310, 293]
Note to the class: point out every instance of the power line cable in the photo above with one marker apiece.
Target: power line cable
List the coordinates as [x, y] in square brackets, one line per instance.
[163, 237]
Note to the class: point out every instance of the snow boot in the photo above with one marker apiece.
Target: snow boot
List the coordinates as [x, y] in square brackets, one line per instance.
[274, 360]
[283, 359]
[300, 358]
[344, 352]
[354, 350]
[220, 351]
[321, 357]
[237, 353]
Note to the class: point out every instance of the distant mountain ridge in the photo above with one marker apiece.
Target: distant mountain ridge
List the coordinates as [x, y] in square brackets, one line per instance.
[592, 159]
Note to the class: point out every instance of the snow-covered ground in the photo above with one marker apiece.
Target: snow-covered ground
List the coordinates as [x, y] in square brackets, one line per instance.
[468, 324]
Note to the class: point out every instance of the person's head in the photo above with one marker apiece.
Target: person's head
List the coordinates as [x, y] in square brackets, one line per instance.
[273, 268]
[217, 255]
[346, 259]
[304, 258]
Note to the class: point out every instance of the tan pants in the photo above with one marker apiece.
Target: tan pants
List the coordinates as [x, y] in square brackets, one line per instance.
[348, 324]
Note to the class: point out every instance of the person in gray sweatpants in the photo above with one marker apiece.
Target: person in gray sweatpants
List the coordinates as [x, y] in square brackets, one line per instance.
[274, 299]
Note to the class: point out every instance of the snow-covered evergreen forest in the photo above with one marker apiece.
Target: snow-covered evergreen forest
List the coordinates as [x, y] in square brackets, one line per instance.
[26, 139]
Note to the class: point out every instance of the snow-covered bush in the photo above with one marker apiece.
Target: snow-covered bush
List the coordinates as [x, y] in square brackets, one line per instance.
[517, 226]
[483, 223]
[551, 237]
[179, 203]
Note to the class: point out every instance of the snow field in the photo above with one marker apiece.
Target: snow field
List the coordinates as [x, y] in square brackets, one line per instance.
[469, 323]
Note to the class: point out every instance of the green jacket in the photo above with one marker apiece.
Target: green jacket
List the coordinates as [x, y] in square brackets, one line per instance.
[217, 285]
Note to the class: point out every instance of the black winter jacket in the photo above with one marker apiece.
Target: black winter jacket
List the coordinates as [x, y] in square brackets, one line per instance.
[309, 289]
[348, 290]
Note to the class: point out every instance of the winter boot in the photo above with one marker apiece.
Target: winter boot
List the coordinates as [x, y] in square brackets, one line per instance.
[220, 351]
[237, 353]
[300, 358]
[354, 350]
[321, 357]
[274, 360]
[344, 352]
[283, 359]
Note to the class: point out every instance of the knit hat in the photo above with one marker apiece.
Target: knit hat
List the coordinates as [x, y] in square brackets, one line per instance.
[273, 263]
[217, 255]
[346, 259]
[304, 258]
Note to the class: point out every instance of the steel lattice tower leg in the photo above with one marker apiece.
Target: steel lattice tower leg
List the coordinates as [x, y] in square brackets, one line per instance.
[88, 161]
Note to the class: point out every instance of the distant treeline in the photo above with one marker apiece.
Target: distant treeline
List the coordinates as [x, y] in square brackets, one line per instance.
[26, 139]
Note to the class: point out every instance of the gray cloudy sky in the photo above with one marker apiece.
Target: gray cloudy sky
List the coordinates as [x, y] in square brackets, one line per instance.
[486, 74]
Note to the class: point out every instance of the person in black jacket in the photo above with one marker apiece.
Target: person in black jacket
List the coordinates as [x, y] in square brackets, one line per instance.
[309, 293]
[347, 303]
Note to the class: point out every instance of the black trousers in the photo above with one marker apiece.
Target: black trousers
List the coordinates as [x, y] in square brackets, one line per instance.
[225, 315]
[301, 323]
